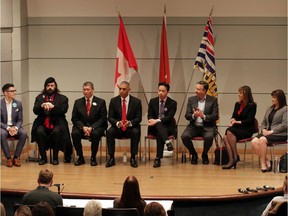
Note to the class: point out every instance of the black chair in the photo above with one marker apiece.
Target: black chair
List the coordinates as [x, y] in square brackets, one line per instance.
[119, 212]
[66, 211]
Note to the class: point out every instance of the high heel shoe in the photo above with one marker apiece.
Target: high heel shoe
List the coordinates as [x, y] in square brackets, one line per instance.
[229, 167]
[269, 169]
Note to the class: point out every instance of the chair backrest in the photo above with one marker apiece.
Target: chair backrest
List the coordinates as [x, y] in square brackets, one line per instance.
[65, 210]
[256, 126]
[119, 212]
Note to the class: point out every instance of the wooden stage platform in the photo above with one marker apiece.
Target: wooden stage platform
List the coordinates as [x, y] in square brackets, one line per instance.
[178, 181]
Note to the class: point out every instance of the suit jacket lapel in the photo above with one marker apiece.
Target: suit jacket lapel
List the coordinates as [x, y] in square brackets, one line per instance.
[4, 110]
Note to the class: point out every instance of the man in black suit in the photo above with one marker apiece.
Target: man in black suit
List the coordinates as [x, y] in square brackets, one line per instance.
[89, 118]
[125, 116]
[50, 128]
[161, 111]
[202, 112]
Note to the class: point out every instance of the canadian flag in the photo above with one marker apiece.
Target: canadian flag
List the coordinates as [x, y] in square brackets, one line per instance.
[164, 70]
[126, 64]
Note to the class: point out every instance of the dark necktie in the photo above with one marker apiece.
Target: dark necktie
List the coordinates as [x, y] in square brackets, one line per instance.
[88, 106]
[161, 109]
[124, 114]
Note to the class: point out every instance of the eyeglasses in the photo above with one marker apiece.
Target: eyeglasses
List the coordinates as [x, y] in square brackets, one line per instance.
[13, 91]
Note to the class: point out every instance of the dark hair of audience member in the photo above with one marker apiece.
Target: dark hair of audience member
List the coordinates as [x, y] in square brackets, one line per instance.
[23, 210]
[154, 209]
[280, 95]
[130, 197]
[42, 209]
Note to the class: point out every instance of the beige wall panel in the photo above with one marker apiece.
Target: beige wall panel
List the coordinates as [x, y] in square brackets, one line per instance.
[6, 13]
[6, 46]
[6, 73]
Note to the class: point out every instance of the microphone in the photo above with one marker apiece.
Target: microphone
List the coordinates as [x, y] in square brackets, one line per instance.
[58, 187]
[251, 190]
[268, 187]
[259, 188]
[243, 191]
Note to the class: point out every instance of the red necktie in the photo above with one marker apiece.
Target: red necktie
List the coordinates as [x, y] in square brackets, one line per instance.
[88, 106]
[124, 114]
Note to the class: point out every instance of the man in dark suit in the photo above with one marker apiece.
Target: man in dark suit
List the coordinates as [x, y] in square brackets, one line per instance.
[89, 118]
[202, 112]
[50, 128]
[161, 111]
[125, 116]
[11, 124]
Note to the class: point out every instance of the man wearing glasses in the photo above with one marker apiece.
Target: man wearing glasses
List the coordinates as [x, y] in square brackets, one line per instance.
[11, 124]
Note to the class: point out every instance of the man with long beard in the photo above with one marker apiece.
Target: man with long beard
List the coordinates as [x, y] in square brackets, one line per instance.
[50, 128]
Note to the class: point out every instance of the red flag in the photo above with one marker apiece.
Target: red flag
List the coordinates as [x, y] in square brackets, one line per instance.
[164, 70]
[125, 63]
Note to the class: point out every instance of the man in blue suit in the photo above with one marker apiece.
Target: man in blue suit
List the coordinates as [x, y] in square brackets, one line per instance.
[11, 124]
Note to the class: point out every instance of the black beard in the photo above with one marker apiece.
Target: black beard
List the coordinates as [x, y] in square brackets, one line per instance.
[50, 92]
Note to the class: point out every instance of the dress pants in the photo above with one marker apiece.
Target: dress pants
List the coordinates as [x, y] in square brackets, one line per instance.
[47, 138]
[207, 133]
[95, 137]
[132, 132]
[21, 136]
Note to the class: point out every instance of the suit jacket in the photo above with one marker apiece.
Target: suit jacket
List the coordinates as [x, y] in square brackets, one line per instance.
[247, 116]
[97, 117]
[169, 111]
[211, 110]
[134, 112]
[58, 117]
[279, 122]
[17, 114]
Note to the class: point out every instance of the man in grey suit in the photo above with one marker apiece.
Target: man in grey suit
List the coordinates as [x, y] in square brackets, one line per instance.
[125, 116]
[11, 124]
[202, 112]
[89, 117]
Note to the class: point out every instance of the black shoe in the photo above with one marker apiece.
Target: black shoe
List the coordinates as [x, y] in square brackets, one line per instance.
[111, 162]
[157, 162]
[133, 163]
[67, 159]
[205, 159]
[93, 161]
[229, 167]
[42, 161]
[55, 162]
[169, 146]
[269, 169]
[79, 162]
[194, 159]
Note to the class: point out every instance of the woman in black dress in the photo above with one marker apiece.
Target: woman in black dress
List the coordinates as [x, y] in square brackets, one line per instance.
[241, 124]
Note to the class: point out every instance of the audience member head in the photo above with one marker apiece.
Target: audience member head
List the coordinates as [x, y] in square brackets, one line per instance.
[130, 192]
[45, 178]
[163, 90]
[50, 86]
[154, 209]
[124, 89]
[201, 89]
[2, 209]
[278, 98]
[93, 208]
[23, 210]
[42, 209]
[245, 95]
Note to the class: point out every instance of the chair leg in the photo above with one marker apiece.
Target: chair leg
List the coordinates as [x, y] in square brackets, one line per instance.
[244, 160]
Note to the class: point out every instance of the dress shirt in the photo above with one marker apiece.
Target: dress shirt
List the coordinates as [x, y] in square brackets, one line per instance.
[9, 112]
[201, 107]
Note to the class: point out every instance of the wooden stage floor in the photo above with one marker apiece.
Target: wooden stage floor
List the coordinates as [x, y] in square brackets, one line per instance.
[168, 181]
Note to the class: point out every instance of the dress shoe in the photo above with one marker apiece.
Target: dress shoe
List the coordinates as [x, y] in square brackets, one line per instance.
[269, 169]
[42, 161]
[133, 163]
[205, 159]
[67, 159]
[157, 163]
[9, 163]
[194, 159]
[16, 162]
[169, 146]
[229, 167]
[79, 162]
[111, 162]
[55, 162]
[93, 161]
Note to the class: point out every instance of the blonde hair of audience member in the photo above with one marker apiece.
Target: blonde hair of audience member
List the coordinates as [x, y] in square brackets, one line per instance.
[43, 209]
[23, 210]
[93, 208]
[154, 209]
[2, 209]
